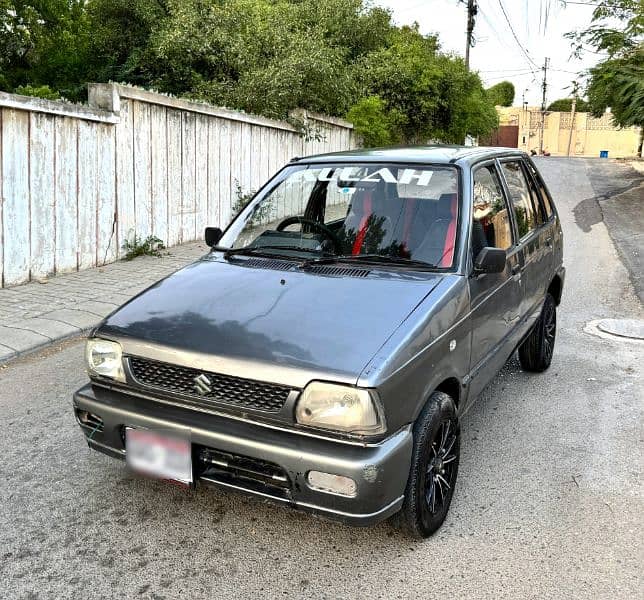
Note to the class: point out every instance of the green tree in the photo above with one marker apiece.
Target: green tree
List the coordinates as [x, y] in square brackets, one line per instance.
[120, 41]
[565, 105]
[428, 95]
[617, 29]
[44, 42]
[372, 122]
[340, 57]
[501, 94]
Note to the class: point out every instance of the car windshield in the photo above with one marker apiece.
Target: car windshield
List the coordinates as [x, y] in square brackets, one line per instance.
[399, 213]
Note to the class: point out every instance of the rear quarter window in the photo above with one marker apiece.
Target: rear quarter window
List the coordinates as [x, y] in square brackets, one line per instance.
[543, 192]
[520, 198]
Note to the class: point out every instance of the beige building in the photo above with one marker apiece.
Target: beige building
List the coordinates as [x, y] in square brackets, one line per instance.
[521, 127]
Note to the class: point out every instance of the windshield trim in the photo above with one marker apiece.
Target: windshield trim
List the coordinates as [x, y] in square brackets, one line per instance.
[314, 162]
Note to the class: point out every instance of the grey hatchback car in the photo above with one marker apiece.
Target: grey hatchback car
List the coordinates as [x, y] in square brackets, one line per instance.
[323, 352]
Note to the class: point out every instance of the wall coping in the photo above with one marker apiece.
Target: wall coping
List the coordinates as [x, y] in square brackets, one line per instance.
[106, 96]
[57, 107]
[104, 106]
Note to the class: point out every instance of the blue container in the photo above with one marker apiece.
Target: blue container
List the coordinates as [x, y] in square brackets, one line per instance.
[603, 154]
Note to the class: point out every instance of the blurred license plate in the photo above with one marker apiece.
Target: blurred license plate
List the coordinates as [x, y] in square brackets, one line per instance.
[159, 455]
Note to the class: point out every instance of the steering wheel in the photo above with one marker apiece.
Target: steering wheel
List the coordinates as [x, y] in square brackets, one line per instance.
[321, 227]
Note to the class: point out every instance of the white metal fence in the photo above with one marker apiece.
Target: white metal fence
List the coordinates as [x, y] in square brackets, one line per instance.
[77, 181]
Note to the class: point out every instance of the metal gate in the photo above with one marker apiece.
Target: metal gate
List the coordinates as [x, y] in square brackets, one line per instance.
[506, 136]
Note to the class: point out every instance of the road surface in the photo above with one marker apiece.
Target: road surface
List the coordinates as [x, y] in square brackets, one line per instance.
[549, 501]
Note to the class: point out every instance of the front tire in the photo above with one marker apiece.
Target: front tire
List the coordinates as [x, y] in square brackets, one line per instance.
[535, 353]
[434, 468]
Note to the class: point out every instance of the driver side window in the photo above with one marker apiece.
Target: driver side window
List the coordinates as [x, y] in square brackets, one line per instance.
[490, 219]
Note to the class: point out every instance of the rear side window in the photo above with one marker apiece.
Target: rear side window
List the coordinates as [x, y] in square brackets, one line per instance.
[545, 199]
[490, 219]
[520, 197]
[539, 210]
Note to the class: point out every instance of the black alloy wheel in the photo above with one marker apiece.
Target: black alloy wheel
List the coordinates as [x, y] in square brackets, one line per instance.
[434, 467]
[535, 353]
[440, 474]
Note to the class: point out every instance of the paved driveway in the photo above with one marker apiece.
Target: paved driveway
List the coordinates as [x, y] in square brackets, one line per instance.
[548, 504]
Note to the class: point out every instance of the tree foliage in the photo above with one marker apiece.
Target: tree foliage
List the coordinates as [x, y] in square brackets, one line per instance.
[339, 57]
[617, 29]
[373, 122]
[501, 94]
[565, 105]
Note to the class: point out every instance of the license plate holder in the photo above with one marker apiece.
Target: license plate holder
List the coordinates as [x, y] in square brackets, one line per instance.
[159, 453]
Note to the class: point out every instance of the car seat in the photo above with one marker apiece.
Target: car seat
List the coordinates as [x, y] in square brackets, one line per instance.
[438, 246]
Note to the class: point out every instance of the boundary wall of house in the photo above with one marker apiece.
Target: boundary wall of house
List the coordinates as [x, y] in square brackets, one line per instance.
[77, 181]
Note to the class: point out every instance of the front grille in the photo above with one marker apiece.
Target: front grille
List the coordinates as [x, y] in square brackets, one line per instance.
[243, 471]
[246, 393]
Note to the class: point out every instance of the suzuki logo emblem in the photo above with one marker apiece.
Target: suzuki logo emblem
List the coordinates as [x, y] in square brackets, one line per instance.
[202, 384]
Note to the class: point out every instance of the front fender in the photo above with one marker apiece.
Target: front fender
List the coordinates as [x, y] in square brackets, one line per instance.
[431, 345]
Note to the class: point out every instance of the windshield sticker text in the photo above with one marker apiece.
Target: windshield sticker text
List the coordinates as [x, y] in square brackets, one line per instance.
[346, 176]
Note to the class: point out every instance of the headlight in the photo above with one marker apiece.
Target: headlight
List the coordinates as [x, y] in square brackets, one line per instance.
[340, 407]
[104, 358]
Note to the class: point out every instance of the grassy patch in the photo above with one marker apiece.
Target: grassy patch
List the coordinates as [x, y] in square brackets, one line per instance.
[149, 246]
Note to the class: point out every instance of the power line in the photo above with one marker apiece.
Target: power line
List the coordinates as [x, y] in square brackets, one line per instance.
[501, 38]
[507, 70]
[583, 3]
[516, 39]
[493, 29]
[511, 75]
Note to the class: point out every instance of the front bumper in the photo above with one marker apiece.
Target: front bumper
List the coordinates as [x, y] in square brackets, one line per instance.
[379, 470]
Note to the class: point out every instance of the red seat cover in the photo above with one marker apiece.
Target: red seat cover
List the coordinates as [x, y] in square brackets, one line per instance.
[450, 237]
[364, 225]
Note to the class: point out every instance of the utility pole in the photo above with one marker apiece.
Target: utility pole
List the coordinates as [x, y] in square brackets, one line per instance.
[544, 86]
[575, 87]
[472, 9]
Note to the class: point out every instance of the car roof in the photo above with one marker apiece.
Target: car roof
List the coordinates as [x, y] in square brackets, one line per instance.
[438, 154]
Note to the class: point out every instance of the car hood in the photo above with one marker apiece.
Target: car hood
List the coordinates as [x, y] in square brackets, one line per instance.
[319, 326]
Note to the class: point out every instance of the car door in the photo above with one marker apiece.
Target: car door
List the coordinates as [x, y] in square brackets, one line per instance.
[532, 239]
[495, 298]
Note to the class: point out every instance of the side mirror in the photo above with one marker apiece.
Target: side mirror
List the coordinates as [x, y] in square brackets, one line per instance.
[490, 260]
[213, 235]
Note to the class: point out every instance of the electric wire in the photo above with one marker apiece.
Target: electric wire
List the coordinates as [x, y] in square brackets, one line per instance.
[516, 39]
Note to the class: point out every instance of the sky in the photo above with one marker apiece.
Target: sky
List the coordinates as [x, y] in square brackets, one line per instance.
[496, 54]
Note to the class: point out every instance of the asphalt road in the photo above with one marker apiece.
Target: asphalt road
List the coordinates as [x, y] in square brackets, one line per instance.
[619, 195]
[549, 501]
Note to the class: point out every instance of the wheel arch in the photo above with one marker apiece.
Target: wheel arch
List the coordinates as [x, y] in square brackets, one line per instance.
[555, 288]
[449, 385]
[452, 387]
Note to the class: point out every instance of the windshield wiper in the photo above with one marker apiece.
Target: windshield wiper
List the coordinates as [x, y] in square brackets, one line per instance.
[258, 250]
[374, 258]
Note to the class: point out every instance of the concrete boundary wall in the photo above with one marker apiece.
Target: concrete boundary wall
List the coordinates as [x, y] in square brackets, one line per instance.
[77, 181]
[589, 135]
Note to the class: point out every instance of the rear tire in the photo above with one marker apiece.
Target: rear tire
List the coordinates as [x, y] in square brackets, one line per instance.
[535, 353]
[434, 468]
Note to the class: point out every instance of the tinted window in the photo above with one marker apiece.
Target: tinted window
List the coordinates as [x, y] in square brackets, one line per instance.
[545, 199]
[520, 197]
[539, 211]
[491, 223]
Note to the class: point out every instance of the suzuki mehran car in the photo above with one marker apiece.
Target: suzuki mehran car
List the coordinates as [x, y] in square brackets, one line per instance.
[322, 354]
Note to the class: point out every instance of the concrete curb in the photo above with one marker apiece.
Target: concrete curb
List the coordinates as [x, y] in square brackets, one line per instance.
[6, 359]
[38, 315]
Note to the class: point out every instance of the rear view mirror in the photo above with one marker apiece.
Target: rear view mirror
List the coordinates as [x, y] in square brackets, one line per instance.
[490, 260]
[212, 236]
